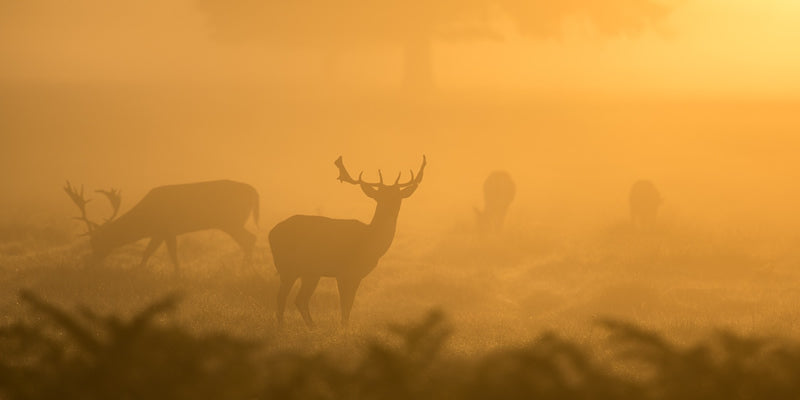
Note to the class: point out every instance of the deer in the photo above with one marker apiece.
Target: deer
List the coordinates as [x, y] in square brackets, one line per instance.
[308, 247]
[498, 193]
[644, 200]
[168, 211]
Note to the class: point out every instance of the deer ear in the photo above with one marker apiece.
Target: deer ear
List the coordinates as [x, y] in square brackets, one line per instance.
[368, 190]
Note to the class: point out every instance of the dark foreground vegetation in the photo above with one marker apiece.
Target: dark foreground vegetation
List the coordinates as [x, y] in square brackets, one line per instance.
[54, 353]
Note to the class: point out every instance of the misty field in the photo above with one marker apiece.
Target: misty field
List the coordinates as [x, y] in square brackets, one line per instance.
[570, 301]
[454, 313]
[609, 208]
[504, 287]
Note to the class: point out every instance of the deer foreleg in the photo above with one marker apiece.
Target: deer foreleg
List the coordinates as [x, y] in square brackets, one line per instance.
[154, 244]
[172, 248]
[246, 241]
[347, 294]
[309, 284]
[283, 293]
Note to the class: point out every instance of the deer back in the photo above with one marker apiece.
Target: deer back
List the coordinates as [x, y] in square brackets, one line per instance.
[323, 246]
[175, 209]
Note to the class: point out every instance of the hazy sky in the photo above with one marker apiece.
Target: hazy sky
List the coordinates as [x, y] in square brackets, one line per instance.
[705, 47]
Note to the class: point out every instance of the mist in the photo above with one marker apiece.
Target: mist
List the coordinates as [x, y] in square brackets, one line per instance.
[572, 103]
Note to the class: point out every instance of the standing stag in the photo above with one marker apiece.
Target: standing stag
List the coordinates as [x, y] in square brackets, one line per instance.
[168, 211]
[309, 247]
[644, 201]
[498, 192]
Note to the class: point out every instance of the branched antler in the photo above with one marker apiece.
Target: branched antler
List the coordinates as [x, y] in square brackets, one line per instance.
[344, 176]
[77, 197]
[115, 198]
[80, 201]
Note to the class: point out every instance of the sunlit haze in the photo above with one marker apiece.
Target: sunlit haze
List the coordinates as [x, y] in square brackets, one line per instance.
[572, 160]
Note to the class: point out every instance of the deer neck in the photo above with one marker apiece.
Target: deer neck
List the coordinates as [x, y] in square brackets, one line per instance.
[383, 226]
[120, 232]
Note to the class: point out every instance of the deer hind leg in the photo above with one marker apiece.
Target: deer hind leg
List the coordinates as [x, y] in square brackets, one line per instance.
[172, 248]
[283, 293]
[307, 287]
[154, 244]
[246, 241]
[347, 294]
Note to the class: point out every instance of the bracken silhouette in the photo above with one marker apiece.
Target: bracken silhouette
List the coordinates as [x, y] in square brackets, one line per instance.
[54, 353]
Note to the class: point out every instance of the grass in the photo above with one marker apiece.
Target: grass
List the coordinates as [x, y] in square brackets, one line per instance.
[521, 282]
[588, 302]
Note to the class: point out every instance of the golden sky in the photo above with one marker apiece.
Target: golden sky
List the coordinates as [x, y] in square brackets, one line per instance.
[705, 47]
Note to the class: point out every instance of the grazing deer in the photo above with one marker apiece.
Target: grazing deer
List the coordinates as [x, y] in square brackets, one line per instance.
[498, 192]
[168, 211]
[644, 201]
[310, 247]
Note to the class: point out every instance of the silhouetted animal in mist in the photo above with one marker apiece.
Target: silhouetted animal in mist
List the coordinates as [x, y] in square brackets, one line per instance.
[498, 193]
[644, 201]
[168, 211]
[310, 247]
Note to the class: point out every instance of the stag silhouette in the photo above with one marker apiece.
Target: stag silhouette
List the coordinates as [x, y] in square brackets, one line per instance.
[309, 247]
[168, 211]
[498, 193]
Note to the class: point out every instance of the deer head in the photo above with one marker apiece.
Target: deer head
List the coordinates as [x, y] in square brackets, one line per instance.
[379, 191]
[77, 197]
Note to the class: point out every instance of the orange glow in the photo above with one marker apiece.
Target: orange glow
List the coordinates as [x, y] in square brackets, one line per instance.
[583, 158]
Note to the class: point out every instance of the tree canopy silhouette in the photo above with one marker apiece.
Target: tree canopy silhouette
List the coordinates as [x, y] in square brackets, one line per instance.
[414, 24]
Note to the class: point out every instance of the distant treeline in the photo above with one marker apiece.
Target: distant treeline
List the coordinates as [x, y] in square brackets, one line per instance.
[57, 354]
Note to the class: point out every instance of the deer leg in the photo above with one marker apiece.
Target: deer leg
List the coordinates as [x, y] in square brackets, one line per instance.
[246, 241]
[347, 294]
[307, 287]
[154, 244]
[283, 293]
[172, 248]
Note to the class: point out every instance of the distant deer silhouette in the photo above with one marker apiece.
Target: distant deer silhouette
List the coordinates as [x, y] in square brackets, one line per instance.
[644, 201]
[168, 211]
[498, 193]
[309, 247]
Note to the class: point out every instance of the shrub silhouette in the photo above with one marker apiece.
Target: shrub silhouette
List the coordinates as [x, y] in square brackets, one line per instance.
[548, 368]
[80, 355]
[85, 356]
[724, 366]
[399, 369]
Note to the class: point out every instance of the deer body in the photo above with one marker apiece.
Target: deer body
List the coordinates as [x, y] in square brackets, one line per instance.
[498, 193]
[311, 247]
[168, 211]
[331, 247]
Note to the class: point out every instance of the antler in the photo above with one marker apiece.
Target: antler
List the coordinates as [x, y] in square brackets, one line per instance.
[115, 198]
[80, 201]
[344, 176]
[418, 179]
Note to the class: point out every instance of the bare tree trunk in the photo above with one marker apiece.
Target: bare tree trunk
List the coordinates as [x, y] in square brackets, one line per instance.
[418, 72]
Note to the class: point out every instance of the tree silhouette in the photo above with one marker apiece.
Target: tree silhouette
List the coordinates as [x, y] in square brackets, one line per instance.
[414, 24]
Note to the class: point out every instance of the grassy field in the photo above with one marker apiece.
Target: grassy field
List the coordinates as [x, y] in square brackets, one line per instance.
[496, 291]
[608, 314]
[550, 308]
